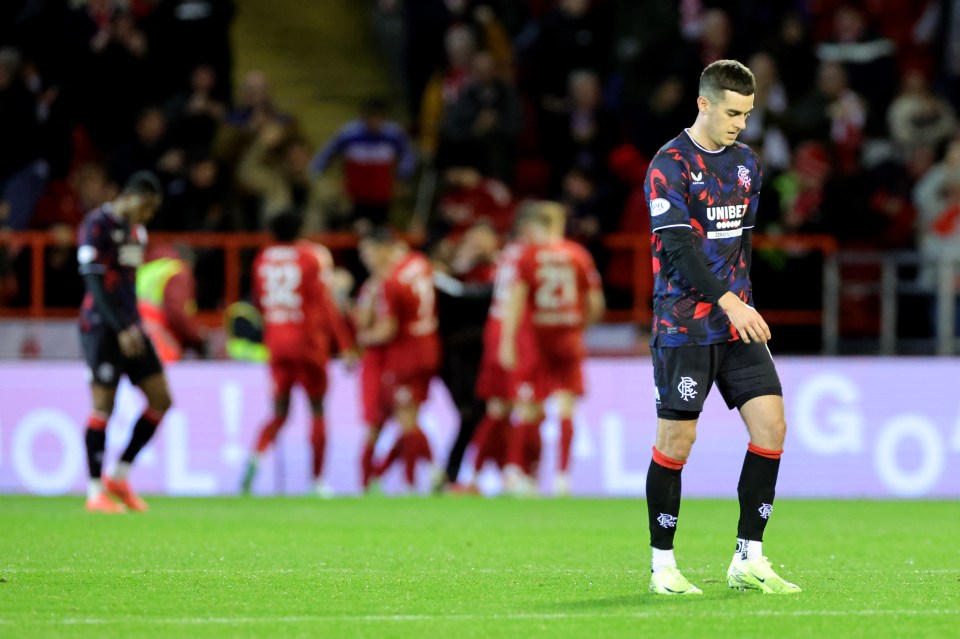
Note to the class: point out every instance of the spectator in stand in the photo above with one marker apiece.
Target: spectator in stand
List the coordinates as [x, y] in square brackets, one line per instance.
[791, 48]
[469, 197]
[444, 87]
[581, 133]
[22, 173]
[149, 150]
[831, 112]
[196, 114]
[866, 56]
[374, 150]
[485, 121]
[590, 213]
[107, 44]
[195, 202]
[188, 32]
[801, 190]
[572, 36]
[937, 198]
[763, 132]
[253, 110]
[918, 117]
[275, 168]
[65, 202]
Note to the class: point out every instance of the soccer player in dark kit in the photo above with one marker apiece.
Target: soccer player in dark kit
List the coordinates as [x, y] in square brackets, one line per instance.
[703, 188]
[111, 243]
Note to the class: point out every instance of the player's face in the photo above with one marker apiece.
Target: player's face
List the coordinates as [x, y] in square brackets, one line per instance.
[728, 117]
[142, 207]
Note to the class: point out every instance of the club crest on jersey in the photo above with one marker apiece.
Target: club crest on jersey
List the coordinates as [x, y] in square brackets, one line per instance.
[743, 176]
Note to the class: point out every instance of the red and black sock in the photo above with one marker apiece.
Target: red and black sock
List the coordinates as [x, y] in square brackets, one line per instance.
[663, 499]
[96, 440]
[318, 442]
[143, 432]
[757, 487]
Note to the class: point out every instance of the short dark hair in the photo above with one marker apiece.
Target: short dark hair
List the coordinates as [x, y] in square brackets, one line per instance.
[286, 226]
[726, 75]
[143, 183]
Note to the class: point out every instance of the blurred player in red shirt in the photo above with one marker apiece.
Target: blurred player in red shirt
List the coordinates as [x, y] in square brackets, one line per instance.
[558, 285]
[291, 287]
[495, 385]
[406, 327]
[374, 409]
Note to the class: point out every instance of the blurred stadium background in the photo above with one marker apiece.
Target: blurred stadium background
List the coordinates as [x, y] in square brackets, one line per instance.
[230, 101]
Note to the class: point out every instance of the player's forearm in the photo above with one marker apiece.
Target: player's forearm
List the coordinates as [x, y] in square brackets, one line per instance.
[381, 332]
[116, 319]
[596, 305]
[683, 251]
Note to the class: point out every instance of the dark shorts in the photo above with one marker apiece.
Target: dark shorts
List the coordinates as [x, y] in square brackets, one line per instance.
[684, 375]
[106, 363]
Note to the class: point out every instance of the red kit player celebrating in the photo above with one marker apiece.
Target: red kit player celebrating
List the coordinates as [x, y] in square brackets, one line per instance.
[291, 288]
[495, 385]
[374, 409]
[406, 327]
[558, 285]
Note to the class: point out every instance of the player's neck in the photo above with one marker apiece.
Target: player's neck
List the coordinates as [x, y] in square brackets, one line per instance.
[698, 134]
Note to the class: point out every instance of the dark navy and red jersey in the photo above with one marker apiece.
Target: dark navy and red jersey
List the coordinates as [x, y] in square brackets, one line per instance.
[716, 194]
[110, 246]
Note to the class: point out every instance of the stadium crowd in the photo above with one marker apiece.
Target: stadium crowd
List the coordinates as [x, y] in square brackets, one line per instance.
[566, 99]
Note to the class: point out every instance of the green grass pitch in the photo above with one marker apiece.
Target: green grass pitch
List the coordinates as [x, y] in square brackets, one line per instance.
[465, 567]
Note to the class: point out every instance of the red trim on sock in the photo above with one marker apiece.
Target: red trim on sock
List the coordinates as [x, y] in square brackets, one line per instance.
[667, 462]
[153, 416]
[763, 452]
[97, 421]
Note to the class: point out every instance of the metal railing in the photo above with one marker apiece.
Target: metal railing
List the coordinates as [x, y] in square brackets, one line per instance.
[888, 284]
[233, 246]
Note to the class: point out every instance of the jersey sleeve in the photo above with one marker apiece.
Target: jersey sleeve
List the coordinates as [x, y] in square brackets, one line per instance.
[92, 239]
[666, 188]
[750, 219]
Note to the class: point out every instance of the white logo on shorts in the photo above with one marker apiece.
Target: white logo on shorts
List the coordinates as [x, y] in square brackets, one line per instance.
[687, 388]
[667, 521]
[766, 510]
[106, 372]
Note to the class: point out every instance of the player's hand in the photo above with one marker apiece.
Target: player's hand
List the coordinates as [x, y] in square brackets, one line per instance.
[132, 343]
[351, 358]
[507, 355]
[748, 322]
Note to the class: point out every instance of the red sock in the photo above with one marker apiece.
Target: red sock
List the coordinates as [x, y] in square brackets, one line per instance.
[566, 443]
[366, 463]
[423, 446]
[318, 441]
[480, 439]
[516, 444]
[392, 456]
[268, 434]
[532, 447]
[410, 450]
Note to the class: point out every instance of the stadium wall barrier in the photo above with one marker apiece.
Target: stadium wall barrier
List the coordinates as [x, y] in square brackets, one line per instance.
[859, 427]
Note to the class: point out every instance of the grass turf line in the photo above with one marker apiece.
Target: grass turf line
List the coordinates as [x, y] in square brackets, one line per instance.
[464, 567]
